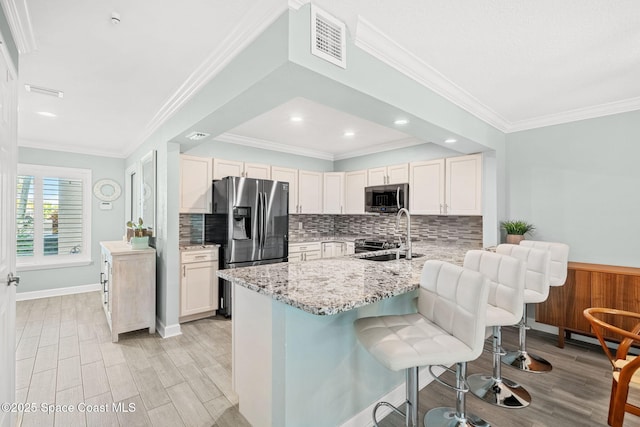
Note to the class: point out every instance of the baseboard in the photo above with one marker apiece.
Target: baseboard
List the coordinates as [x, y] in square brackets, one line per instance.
[396, 397]
[167, 331]
[47, 293]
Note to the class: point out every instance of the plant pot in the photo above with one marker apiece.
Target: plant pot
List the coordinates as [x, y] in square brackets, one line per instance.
[514, 239]
[140, 242]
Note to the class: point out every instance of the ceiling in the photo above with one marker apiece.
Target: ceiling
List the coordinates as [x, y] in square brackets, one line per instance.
[515, 64]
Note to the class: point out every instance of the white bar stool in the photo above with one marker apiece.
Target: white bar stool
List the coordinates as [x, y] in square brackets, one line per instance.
[448, 328]
[521, 359]
[506, 280]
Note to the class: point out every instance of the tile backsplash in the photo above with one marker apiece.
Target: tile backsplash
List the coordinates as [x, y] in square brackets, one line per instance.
[459, 229]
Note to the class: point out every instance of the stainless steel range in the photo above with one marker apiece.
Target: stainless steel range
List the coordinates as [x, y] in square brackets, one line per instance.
[368, 245]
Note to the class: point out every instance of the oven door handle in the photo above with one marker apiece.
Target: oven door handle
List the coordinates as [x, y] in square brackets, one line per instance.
[398, 197]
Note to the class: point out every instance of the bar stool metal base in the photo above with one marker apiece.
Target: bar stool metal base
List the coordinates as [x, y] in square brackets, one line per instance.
[446, 417]
[526, 362]
[503, 393]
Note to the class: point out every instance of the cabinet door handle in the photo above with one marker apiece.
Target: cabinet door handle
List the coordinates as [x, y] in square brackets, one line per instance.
[184, 271]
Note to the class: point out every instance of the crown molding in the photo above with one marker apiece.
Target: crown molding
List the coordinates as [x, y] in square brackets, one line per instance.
[252, 24]
[273, 146]
[379, 148]
[593, 112]
[68, 148]
[19, 20]
[373, 41]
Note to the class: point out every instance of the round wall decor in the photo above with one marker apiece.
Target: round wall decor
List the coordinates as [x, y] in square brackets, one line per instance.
[107, 190]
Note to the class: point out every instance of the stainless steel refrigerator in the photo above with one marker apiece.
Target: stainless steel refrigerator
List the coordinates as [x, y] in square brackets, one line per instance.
[250, 221]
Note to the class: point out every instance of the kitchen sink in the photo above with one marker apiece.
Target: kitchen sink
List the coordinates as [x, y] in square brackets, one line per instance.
[390, 257]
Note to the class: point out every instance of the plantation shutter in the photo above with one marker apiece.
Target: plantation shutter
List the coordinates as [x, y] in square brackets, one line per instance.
[25, 216]
[62, 207]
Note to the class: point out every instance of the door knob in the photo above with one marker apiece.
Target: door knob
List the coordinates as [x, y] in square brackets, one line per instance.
[12, 280]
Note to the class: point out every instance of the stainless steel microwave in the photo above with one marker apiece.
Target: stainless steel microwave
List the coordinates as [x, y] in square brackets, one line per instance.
[387, 198]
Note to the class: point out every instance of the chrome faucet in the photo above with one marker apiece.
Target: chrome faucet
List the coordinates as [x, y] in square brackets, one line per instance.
[402, 247]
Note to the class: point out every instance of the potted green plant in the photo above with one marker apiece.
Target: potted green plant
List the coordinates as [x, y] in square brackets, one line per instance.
[138, 239]
[516, 229]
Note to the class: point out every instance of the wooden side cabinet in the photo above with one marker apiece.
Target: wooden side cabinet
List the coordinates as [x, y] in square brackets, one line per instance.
[128, 279]
[590, 285]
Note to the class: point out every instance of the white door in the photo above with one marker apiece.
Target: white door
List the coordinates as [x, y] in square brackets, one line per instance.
[257, 171]
[8, 161]
[310, 192]
[333, 193]
[398, 174]
[354, 184]
[222, 168]
[426, 187]
[464, 185]
[291, 176]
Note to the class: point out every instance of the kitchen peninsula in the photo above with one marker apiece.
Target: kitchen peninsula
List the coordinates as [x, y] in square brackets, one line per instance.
[296, 360]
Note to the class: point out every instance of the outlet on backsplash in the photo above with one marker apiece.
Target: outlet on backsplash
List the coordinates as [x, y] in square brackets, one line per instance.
[299, 225]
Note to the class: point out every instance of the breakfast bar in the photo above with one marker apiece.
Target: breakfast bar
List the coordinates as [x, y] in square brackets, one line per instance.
[296, 360]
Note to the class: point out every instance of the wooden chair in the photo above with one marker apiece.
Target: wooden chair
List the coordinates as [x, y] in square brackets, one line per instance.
[624, 365]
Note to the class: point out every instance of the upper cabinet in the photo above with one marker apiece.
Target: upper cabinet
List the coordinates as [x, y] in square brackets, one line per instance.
[291, 176]
[222, 168]
[195, 184]
[451, 186]
[354, 184]
[333, 201]
[309, 193]
[426, 187]
[464, 185]
[396, 174]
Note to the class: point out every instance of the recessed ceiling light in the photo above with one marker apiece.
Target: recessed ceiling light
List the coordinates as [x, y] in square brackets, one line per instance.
[47, 114]
[196, 136]
[450, 140]
[401, 122]
[295, 118]
[349, 133]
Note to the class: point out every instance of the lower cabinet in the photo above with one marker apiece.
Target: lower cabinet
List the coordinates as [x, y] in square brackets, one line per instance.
[198, 284]
[304, 251]
[333, 249]
[590, 285]
[128, 279]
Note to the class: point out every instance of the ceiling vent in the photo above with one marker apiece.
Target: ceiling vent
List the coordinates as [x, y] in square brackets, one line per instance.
[44, 91]
[328, 37]
[197, 136]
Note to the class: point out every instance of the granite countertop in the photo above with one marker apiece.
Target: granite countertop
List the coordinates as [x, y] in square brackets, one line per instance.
[196, 246]
[334, 285]
[326, 238]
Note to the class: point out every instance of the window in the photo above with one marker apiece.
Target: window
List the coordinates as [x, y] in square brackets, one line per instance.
[53, 216]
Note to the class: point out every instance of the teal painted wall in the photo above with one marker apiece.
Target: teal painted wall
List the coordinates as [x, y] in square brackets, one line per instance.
[402, 155]
[105, 225]
[578, 183]
[228, 151]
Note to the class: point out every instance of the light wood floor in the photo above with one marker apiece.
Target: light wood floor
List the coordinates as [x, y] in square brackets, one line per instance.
[64, 355]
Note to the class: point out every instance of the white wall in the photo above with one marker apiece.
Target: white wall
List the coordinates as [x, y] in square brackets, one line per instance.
[578, 183]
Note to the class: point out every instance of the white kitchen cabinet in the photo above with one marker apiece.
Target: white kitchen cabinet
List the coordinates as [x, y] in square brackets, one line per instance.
[333, 200]
[396, 174]
[354, 184]
[309, 193]
[195, 184]
[427, 187]
[222, 168]
[198, 284]
[291, 176]
[304, 251]
[451, 186]
[334, 249]
[128, 278]
[464, 185]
